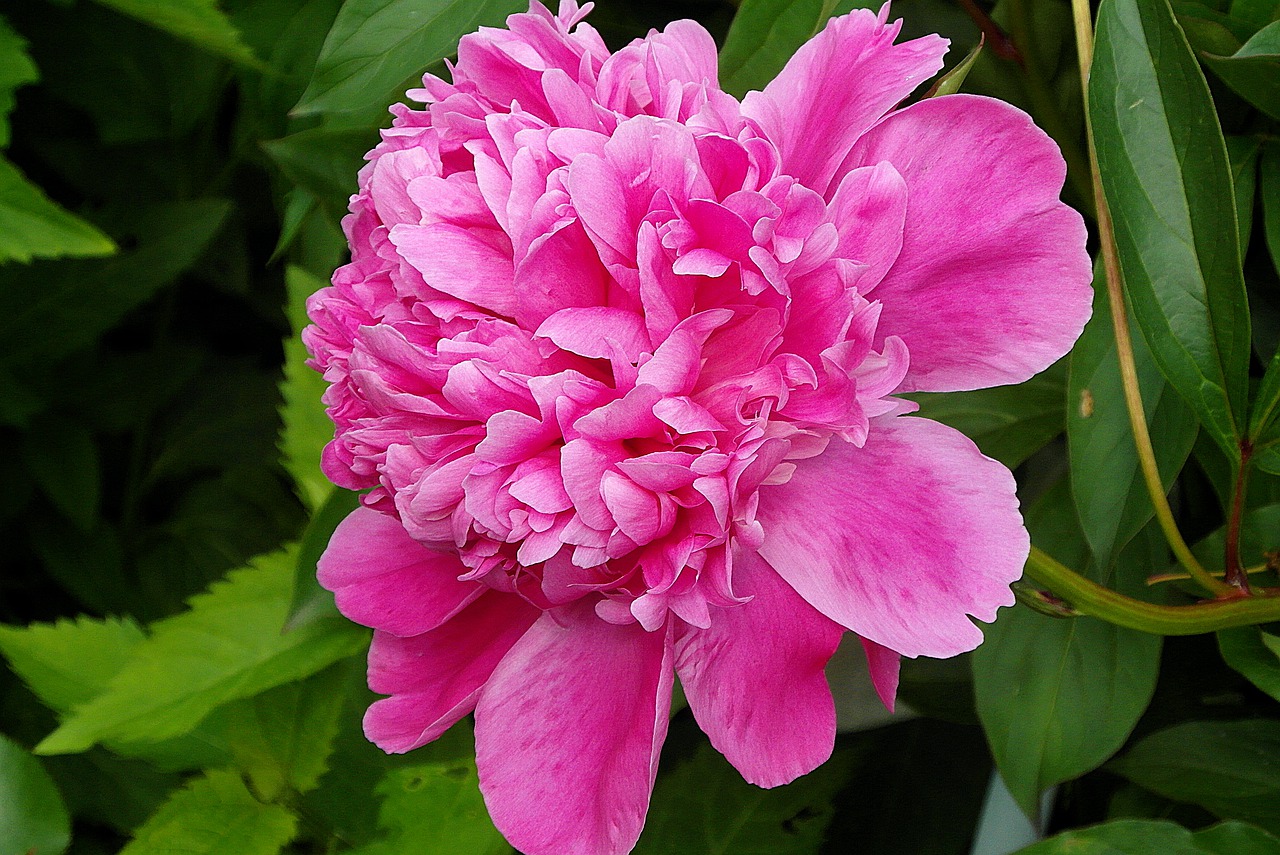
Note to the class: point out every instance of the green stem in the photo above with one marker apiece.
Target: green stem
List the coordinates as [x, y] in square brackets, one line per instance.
[1092, 599]
[1124, 343]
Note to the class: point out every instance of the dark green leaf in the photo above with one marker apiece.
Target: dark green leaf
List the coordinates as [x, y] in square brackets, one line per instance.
[1106, 480]
[1237, 838]
[1157, 837]
[1243, 152]
[32, 815]
[1255, 653]
[1254, 70]
[16, 70]
[32, 226]
[200, 22]
[323, 161]
[1231, 768]
[63, 459]
[1164, 166]
[376, 45]
[214, 815]
[1269, 189]
[310, 601]
[763, 36]
[1259, 535]
[1254, 14]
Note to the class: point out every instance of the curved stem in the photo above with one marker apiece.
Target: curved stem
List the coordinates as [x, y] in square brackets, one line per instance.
[1092, 599]
[1124, 343]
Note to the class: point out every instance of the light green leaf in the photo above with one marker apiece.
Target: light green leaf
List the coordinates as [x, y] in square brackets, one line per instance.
[69, 662]
[200, 22]
[228, 646]
[307, 428]
[32, 815]
[1167, 178]
[32, 226]
[214, 815]
[1110, 494]
[1157, 837]
[950, 83]
[435, 809]
[376, 45]
[63, 459]
[16, 71]
[1254, 70]
[704, 806]
[1230, 768]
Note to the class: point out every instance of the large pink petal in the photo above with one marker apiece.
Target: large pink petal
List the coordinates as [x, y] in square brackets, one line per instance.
[454, 260]
[435, 678]
[568, 732]
[755, 679]
[834, 88]
[992, 283]
[902, 539]
[385, 579]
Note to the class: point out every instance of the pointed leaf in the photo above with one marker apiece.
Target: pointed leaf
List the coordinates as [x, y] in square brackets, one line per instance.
[32, 226]
[16, 70]
[436, 809]
[1254, 653]
[1254, 70]
[214, 815]
[765, 33]
[1167, 178]
[63, 459]
[200, 22]
[1243, 153]
[32, 815]
[69, 662]
[306, 426]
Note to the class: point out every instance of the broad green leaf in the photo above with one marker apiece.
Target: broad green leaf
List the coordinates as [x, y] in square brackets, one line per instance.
[376, 45]
[310, 601]
[1110, 494]
[53, 309]
[1254, 14]
[1167, 178]
[228, 646]
[1230, 768]
[69, 662]
[323, 161]
[116, 792]
[1157, 837]
[1255, 653]
[704, 806]
[63, 459]
[435, 809]
[214, 815]
[1259, 535]
[1058, 696]
[1254, 70]
[307, 428]
[1009, 423]
[282, 738]
[763, 36]
[32, 226]
[16, 70]
[32, 815]
[200, 22]
[1243, 152]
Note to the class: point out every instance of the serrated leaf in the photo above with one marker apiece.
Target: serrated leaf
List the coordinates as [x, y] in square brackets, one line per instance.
[435, 809]
[200, 22]
[32, 815]
[214, 815]
[69, 662]
[1111, 497]
[704, 806]
[376, 45]
[1254, 70]
[1230, 768]
[16, 70]
[228, 646]
[1164, 168]
[1157, 837]
[306, 427]
[32, 226]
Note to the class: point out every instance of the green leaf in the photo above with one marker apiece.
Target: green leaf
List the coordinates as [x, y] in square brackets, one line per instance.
[763, 36]
[323, 161]
[16, 71]
[282, 738]
[69, 662]
[1156, 837]
[1254, 14]
[436, 809]
[1110, 494]
[376, 45]
[704, 806]
[1230, 768]
[1254, 70]
[1269, 189]
[214, 815]
[32, 815]
[200, 22]
[1255, 653]
[63, 459]
[32, 226]
[228, 646]
[51, 310]
[1259, 535]
[307, 428]
[950, 83]
[1058, 696]
[1167, 178]
[1243, 153]
[310, 601]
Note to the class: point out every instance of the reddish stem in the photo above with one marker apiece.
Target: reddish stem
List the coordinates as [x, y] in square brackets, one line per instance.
[1235, 574]
[997, 39]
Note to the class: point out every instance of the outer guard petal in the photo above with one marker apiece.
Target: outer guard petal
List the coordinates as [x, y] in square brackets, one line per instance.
[902, 539]
[755, 679]
[835, 87]
[385, 579]
[992, 283]
[568, 732]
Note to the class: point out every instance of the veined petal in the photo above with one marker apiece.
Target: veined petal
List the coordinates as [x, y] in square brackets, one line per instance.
[902, 539]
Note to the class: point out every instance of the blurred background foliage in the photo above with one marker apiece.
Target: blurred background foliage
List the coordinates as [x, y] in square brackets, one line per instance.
[172, 180]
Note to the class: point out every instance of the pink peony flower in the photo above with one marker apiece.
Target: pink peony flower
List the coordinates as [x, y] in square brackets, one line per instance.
[615, 358]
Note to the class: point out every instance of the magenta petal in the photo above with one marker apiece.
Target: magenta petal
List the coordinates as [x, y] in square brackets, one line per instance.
[453, 260]
[869, 208]
[992, 283]
[568, 732]
[385, 579]
[902, 539]
[835, 87]
[884, 665]
[435, 678]
[755, 679]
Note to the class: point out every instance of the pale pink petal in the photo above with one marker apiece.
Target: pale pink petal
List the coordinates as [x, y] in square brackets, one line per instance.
[435, 678]
[992, 284]
[568, 732]
[755, 679]
[835, 87]
[884, 665]
[385, 579]
[901, 539]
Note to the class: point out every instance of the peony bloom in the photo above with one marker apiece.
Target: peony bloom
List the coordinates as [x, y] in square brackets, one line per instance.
[615, 360]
